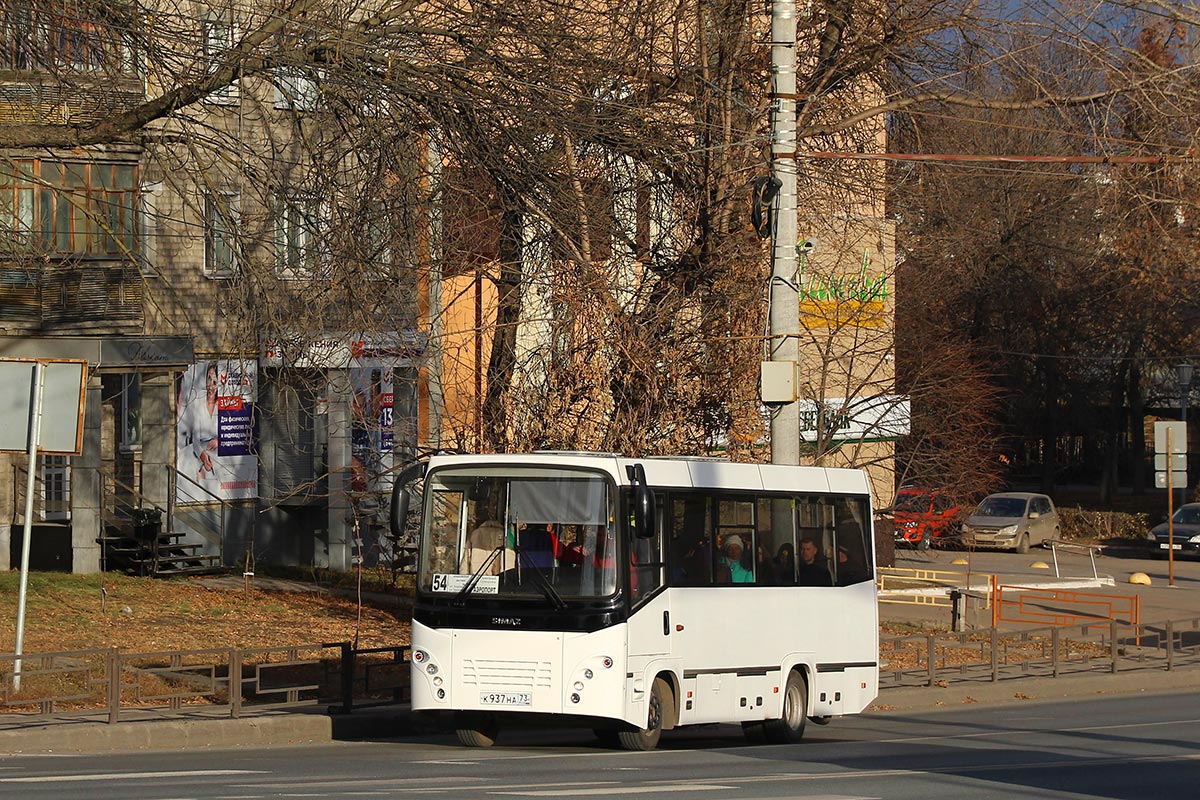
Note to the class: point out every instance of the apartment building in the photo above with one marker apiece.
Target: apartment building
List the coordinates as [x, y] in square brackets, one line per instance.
[242, 280]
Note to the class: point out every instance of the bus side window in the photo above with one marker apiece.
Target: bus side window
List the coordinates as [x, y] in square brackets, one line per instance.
[853, 562]
[775, 554]
[690, 550]
[736, 545]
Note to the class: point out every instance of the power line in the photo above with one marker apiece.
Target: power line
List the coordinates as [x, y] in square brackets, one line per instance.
[981, 158]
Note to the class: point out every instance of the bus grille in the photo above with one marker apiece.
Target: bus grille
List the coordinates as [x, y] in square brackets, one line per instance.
[509, 674]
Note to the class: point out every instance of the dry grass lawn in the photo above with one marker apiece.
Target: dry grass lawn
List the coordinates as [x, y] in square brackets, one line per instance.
[79, 612]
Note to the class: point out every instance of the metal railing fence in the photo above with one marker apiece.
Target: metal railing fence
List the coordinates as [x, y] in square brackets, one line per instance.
[1052, 651]
[110, 685]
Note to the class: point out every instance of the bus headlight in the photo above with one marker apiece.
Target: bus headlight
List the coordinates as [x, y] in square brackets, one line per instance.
[587, 673]
[574, 698]
[431, 668]
[578, 686]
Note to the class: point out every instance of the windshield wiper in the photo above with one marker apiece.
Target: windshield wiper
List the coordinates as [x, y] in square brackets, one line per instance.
[473, 581]
[547, 589]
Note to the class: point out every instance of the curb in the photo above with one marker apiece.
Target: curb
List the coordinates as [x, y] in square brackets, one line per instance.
[73, 736]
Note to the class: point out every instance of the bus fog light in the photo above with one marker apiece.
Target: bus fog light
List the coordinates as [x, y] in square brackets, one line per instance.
[578, 686]
[587, 673]
[574, 698]
[437, 681]
[431, 668]
[441, 694]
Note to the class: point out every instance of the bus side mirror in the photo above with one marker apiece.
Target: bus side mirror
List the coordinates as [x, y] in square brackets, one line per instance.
[643, 503]
[402, 497]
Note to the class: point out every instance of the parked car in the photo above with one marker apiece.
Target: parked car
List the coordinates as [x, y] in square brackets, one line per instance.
[1187, 531]
[1011, 520]
[922, 516]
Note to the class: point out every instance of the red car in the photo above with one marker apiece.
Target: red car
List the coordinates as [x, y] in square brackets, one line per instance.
[923, 515]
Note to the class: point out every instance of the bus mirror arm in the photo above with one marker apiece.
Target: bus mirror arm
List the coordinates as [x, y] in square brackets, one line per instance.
[402, 497]
[643, 502]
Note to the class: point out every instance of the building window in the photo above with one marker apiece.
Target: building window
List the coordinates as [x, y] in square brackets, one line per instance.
[61, 36]
[70, 208]
[56, 487]
[220, 247]
[296, 91]
[216, 36]
[297, 223]
[148, 227]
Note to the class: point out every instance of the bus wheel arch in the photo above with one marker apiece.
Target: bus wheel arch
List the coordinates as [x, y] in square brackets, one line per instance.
[670, 700]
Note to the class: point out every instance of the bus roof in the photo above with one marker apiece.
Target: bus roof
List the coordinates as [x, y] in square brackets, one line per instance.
[683, 471]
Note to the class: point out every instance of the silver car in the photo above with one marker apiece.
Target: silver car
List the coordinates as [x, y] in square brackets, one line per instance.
[1012, 521]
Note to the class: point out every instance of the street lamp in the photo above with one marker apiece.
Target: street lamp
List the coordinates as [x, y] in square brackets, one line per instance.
[1183, 373]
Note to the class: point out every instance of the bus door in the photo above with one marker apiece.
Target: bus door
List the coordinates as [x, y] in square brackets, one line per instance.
[651, 628]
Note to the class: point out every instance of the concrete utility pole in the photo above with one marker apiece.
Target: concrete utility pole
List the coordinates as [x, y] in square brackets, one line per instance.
[783, 292]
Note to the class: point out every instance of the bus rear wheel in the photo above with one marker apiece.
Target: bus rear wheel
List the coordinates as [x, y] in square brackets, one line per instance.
[647, 738]
[789, 728]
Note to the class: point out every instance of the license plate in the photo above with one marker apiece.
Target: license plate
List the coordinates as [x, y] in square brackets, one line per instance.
[505, 698]
[1165, 546]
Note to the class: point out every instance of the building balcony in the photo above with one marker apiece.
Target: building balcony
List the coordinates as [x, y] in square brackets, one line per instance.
[72, 296]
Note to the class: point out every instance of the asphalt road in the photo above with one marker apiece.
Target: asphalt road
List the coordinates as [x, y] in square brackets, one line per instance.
[1146, 746]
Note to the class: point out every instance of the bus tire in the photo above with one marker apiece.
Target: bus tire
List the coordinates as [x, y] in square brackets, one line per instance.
[607, 737]
[477, 736]
[789, 728]
[647, 738]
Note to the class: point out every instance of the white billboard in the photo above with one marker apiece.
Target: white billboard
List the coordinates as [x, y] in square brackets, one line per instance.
[875, 418]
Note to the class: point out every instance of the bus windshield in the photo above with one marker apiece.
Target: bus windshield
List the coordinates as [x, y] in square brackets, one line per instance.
[518, 532]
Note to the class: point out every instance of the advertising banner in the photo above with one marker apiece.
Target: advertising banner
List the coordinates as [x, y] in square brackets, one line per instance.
[372, 434]
[216, 431]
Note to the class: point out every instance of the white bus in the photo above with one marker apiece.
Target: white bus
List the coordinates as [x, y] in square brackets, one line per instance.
[640, 595]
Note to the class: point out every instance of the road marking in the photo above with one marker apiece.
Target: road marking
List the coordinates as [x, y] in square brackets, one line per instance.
[120, 776]
[611, 790]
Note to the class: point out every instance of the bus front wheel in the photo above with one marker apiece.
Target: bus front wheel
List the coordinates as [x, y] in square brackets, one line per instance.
[790, 727]
[477, 733]
[647, 738]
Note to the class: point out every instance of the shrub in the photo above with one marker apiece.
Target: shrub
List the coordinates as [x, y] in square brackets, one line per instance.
[1078, 523]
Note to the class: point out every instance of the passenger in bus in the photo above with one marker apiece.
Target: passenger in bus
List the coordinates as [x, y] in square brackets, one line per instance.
[482, 540]
[850, 567]
[764, 566]
[813, 571]
[785, 564]
[693, 568]
[732, 560]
